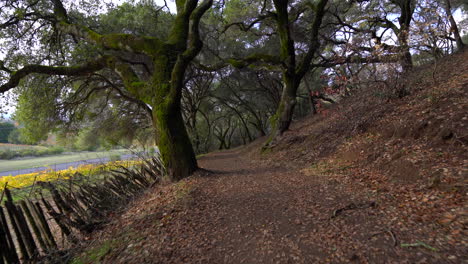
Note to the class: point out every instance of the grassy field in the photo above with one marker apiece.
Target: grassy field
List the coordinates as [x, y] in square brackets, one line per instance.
[11, 165]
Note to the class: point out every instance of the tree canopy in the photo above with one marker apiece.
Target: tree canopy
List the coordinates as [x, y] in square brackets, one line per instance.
[208, 75]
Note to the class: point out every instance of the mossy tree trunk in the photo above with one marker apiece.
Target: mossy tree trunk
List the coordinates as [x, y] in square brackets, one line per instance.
[162, 91]
[173, 141]
[293, 71]
[284, 114]
[172, 138]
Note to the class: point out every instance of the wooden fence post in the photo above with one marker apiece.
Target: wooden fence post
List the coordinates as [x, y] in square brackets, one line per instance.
[44, 224]
[33, 225]
[7, 247]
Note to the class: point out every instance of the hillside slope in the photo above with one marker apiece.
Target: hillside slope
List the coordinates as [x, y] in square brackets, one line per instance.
[372, 180]
[409, 155]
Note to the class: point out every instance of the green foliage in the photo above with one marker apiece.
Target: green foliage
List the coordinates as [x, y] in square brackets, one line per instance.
[8, 154]
[236, 10]
[95, 254]
[15, 137]
[6, 128]
[61, 106]
[36, 111]
[87, 140]
[270, 45]
[139, 19]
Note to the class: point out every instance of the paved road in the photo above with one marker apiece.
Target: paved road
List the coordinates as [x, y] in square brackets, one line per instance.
[62, 166]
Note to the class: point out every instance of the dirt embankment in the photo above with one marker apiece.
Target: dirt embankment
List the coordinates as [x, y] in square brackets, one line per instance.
[371, 181]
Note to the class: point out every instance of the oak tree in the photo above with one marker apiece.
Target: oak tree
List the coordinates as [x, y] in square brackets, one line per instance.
[150, 69]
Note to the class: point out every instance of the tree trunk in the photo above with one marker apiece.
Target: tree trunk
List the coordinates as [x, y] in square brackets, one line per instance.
[292, 72]
[260, 129]
[173, 142]
[407, 10]
[311, 97]
[453, 26]
[406, 60]
[281, 121]
[172, 138]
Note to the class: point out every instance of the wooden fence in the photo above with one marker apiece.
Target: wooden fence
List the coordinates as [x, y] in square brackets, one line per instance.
[34, 228]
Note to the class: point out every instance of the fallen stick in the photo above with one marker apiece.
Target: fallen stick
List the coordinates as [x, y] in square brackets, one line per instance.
[353, 206]
[390, 232]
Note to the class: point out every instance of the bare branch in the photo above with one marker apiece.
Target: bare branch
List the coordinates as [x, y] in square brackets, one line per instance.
[247, 27]
[314, 42]
[357, 59]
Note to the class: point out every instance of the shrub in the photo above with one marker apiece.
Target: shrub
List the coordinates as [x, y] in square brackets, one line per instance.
[42, 152]
[7, 154]
[56, 150]
[27, 152]
[115, 157]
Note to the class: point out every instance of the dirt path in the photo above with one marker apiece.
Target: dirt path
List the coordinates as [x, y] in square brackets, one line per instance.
[253, 213]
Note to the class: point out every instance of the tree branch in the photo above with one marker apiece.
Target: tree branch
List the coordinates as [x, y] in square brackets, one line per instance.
[3, 68]
[128, 42]
[357, 59]
[314, 43]
[196, 43]
[247, 27]
[81, 70]
[255, 58]
[129, 98]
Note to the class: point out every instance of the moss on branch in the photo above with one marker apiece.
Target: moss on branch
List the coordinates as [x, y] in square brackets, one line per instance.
[257, 59]
[79, 70]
